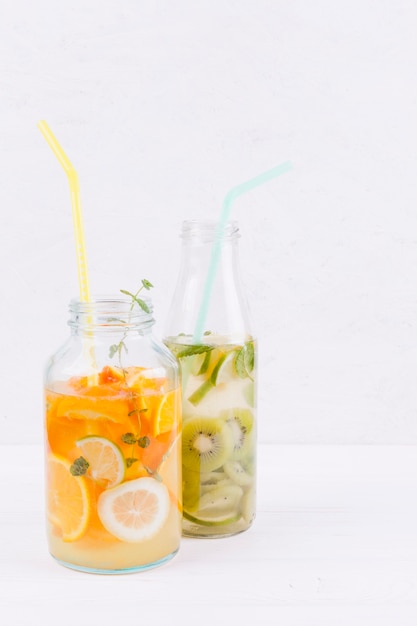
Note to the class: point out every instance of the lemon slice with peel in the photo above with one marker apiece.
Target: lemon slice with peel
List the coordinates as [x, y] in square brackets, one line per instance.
[105, 460]
[134, 511]
[67, 499]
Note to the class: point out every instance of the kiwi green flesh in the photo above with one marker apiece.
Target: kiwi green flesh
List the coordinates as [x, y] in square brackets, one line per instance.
[206, 444]
[219, 505]
[191, 490]
[237, 473]
[240, 422]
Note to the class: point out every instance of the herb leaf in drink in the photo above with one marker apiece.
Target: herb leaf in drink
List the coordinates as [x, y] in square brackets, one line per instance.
[245, 361]
[192, 350]
[79, 467]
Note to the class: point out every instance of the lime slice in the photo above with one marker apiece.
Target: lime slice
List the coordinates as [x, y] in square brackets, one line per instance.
[200, 363]
[223, 372]
[105, 460]
[227, 368]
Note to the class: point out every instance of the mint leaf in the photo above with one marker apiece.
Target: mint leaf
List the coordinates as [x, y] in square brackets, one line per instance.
[142, 304]
[130, 460]
[245, 360]
[191, 350]
[143, 442]
[240, 366]
[114, 349]
[79, 467]
[127, 293]
[249, 356]
[129, 438]
[146, 283]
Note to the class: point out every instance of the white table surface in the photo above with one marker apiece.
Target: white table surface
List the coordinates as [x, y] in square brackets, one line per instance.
[334, 543]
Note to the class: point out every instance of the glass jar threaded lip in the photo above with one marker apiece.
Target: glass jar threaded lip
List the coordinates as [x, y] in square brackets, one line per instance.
[110, 313]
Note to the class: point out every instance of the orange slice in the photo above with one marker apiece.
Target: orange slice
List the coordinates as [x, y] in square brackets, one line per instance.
[110, 375]
[106, 462]
[113, 409]
[166, 414]
[134, 511]
[68, 501]
[140, 379]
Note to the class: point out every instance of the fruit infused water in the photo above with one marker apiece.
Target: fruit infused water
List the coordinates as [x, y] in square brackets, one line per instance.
[219, 434]
[113, 443]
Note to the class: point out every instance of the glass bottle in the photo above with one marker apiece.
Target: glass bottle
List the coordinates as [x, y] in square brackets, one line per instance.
[218, 371]
[112, 441]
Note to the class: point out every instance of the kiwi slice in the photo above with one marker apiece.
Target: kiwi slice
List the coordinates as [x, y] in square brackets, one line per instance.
[219, 506]
[235, 471]
[223, 521]
[240, 423]
[248, 506]
[222, 483]
[206, 443]
[212, 478]
[191, 490]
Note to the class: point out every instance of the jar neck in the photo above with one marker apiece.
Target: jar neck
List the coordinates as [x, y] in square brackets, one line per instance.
[109, 314]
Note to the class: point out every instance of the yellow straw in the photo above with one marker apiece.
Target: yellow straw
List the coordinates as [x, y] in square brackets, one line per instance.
[76, 209]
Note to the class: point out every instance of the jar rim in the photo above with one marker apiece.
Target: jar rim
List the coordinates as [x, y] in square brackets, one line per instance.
[110, 311]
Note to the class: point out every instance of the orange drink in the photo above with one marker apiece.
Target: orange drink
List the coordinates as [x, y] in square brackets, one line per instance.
[113, 457]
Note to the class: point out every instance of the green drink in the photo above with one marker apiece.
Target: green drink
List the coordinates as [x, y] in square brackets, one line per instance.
[219, 434]
[217, 354]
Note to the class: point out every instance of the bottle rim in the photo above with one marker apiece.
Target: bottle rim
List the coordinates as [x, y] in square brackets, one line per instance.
[209, 230]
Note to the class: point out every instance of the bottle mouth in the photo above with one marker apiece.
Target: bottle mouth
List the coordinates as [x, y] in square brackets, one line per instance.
[111, 312]
[209, 230]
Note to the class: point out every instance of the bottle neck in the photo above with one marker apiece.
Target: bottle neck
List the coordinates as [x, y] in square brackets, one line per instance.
[108, 314]
[209, 284]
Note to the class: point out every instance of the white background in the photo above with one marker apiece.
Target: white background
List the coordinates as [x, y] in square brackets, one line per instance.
[162, 107]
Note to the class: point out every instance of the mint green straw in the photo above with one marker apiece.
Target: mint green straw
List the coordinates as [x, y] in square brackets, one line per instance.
[217, 246]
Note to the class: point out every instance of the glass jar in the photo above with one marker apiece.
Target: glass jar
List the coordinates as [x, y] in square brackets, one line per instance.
[112, 441]
[218, 367]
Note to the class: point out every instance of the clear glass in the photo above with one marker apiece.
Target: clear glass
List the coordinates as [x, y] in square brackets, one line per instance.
[112, 442]
[218, 387]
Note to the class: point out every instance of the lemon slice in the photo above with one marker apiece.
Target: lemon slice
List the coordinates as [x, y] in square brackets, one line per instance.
[106, 462]
[67, 499]
[135, 510]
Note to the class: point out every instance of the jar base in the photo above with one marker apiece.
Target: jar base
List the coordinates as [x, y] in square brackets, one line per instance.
[127, 570]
